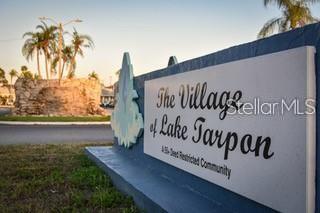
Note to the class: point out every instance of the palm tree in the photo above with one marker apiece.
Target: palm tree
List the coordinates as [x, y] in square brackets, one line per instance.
[53, 50]
[71, 75]
[66, 57]
[2, 73]
[45, 41]
[49, 37]
[24, 68]
[117, 73]
[295, 13]
[54, 63]
[3, 80]
[79, 41]
[93, 75]
[26, 74]
[31, 46]
[67, 53]
[36, 76]
[13, 73]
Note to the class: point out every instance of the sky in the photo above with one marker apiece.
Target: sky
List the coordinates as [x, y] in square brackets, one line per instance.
[151, 31]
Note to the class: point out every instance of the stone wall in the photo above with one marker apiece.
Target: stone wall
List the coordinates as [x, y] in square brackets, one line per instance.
[48, 97]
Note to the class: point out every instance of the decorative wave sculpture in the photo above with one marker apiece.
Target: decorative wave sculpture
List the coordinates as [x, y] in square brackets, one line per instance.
[126, 121]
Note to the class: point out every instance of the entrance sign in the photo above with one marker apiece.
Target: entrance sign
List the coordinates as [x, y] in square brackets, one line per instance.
[247, 125]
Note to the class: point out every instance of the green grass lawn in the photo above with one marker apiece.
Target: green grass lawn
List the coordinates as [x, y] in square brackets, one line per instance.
[54, 118]
[56, 178]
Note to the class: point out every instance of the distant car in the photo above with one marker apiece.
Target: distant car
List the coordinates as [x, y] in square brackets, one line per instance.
[107, 105]
[110, 105]
[104, 105]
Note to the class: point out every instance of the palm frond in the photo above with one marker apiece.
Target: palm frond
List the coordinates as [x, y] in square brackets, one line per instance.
[42, 27]
[310, 1]
[269, 27]
[295, 13]
[28, 34]
[279, 3]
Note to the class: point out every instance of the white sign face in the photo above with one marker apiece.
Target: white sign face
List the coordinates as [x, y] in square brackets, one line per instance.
[247, 125]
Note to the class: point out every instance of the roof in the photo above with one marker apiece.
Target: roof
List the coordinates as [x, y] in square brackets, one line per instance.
[105, 92]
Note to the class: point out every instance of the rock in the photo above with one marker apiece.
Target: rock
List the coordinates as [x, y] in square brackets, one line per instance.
[48, 97]
[27, 94]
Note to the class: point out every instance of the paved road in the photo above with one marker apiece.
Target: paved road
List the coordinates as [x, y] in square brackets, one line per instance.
[38, 134]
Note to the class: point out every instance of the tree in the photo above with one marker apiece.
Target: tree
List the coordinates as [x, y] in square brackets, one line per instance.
[26, 74]
[36, 76]
[93, 75]
[46, 41]
[117, 73]
[49, 38]
[3, 100]
[2, 73]
[79, 41]
[31, 46]
[67, 53]
[3, 79]
[54, 52]
[71, 75]
[13, 73]
[295, 13]
[24, 68]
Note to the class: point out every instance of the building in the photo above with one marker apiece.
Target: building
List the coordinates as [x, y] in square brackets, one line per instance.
[107, 96]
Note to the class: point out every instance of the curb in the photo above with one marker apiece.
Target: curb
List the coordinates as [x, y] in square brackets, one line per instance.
[53, 123]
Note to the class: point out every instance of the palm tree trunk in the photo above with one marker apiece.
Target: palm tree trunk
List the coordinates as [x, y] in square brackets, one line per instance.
[73, 60]
[46, 61]
[50, 68]
[38, 64]
[62, 70]
[71, 65]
